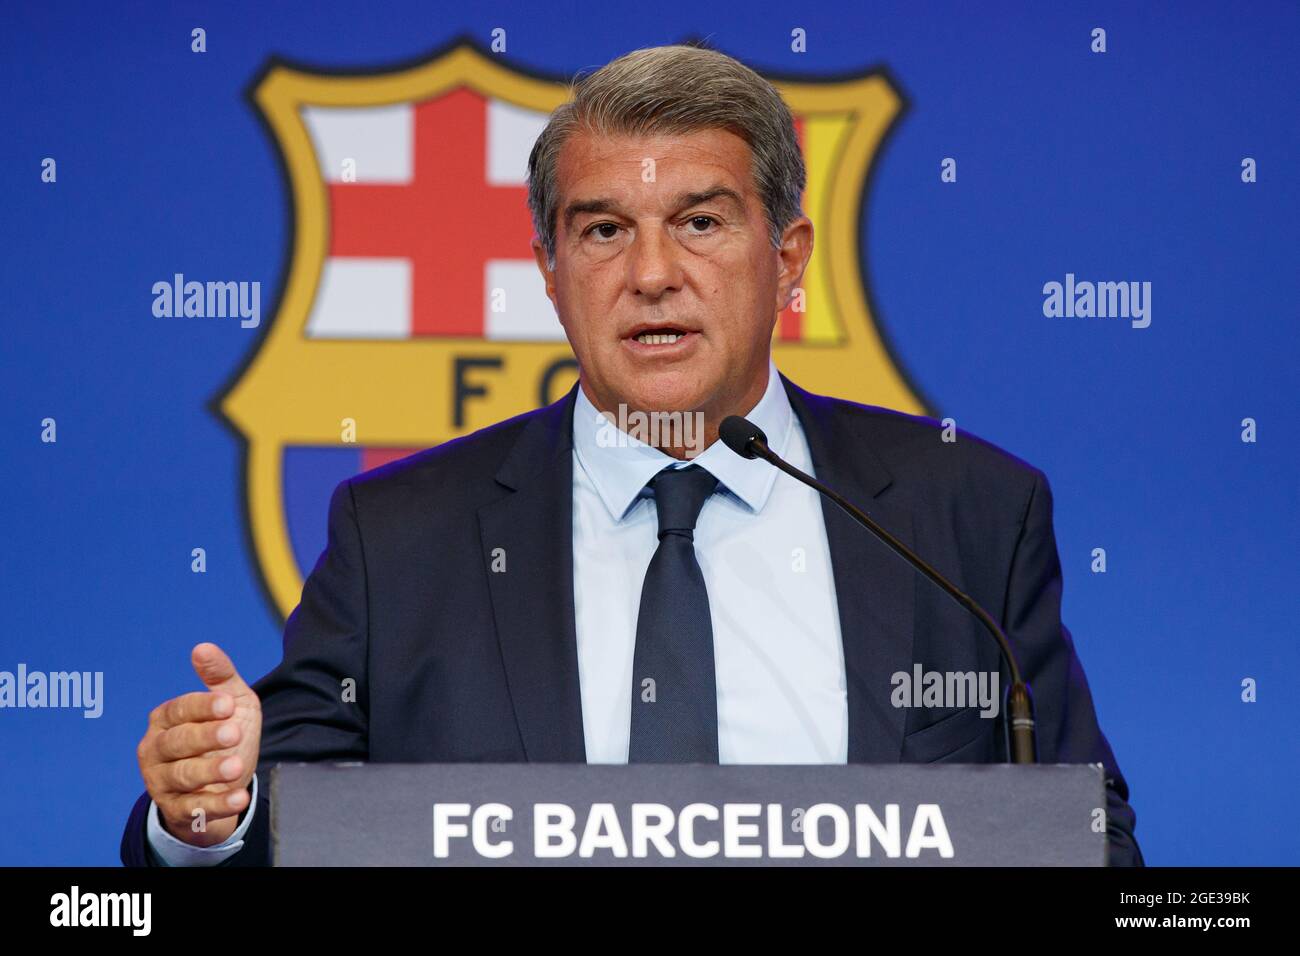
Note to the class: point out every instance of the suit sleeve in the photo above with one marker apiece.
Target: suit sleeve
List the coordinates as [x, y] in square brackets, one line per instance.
[1068, 731]
[314, 702]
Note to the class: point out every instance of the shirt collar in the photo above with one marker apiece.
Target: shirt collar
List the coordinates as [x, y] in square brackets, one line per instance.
[619, 465]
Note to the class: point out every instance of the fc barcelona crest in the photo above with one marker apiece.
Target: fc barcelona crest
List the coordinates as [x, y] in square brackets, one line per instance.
[412, 311]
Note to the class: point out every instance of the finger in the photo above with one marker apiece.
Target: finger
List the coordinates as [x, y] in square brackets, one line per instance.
[215, 669]
[179, 810]
[194, 739]
[188, 708]
[194, 773]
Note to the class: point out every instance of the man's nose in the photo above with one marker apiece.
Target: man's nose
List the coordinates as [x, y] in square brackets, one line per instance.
[653, 267]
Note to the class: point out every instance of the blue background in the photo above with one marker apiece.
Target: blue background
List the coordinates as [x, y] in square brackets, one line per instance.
[1117, 166]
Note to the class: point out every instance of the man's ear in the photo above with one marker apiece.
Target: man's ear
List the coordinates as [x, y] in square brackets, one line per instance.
[548, 274]
[796, 249]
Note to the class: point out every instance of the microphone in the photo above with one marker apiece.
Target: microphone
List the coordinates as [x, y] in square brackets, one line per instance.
[748, 441]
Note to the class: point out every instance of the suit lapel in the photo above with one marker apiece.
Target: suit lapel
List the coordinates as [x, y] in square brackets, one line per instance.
[533, 606]
[532, 599]
[874, 587]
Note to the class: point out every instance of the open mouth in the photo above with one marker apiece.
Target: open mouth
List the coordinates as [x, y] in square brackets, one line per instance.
[663, 338]
[660, 337]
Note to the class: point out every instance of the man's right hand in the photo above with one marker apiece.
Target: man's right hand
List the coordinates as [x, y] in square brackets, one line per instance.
[200, 752]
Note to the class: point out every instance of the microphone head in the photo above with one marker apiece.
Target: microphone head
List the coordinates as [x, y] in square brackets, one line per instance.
[739, 434]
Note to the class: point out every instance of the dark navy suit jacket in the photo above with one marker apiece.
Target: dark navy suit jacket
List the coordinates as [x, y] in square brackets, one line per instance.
[455, 663]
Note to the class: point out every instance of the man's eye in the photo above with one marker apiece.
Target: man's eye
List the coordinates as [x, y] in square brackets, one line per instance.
[604, 230]
[700, 224]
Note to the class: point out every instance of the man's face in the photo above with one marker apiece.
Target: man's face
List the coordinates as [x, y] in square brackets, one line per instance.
[666, 236]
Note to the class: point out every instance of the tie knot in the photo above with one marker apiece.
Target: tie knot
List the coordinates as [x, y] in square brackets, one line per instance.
[680, 493]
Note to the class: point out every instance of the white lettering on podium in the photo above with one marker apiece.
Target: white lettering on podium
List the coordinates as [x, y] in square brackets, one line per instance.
[686, 830]
[644, 832]
[602, 833]
[777, 848]
[733, 831]
[888, 834]
[812, 837]
[736, 831]
[929, 814]
[445, 829]
[484, 817]
[553, 820]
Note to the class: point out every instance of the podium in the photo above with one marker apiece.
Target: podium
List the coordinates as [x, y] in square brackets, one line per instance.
[357, 814]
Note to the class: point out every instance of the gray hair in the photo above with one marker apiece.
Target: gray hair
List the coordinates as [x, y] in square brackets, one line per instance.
[675, 89]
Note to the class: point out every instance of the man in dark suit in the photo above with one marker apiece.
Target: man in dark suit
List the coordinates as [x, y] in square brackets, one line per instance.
[552, 590]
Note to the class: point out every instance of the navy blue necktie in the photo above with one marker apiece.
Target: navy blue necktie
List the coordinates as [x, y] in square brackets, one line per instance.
[674, 688]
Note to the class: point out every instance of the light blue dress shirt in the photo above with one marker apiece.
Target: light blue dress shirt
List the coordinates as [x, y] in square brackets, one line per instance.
[761, 544]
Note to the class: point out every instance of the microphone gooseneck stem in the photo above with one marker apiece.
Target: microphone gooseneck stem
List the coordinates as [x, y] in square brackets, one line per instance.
[1022, 745]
